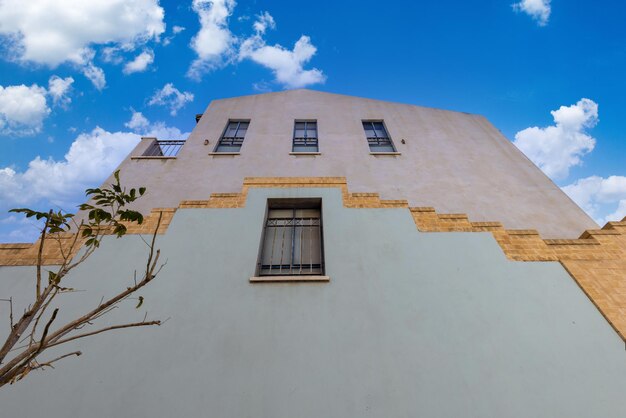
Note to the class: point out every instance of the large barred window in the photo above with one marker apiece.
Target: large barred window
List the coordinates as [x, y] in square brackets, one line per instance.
[292, 242]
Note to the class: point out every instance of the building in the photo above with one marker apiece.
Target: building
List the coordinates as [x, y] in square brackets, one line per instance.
[341, 257]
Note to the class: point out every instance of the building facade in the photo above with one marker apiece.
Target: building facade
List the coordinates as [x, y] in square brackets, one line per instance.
[341, 257]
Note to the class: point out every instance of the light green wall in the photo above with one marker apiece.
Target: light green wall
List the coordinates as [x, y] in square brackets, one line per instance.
[411, 324]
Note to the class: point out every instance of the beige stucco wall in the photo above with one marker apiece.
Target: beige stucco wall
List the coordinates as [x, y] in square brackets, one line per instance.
[455, 162]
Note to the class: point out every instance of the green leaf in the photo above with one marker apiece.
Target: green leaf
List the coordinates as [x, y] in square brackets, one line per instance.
[139, 303]
[53, 278]
[92, 242]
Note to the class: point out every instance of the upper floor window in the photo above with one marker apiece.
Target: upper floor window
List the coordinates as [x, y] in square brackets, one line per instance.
[292, 242]
[377, 137]
[305, 136]
[233, 136]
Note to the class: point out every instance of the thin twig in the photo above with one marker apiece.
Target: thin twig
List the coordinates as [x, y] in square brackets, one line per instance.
[49, 362]
[11, 311]
[40, 252]
[41, 312]
[87, 334]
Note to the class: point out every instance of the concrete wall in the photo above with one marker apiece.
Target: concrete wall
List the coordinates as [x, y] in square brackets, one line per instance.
[456, 162]
[411, 324]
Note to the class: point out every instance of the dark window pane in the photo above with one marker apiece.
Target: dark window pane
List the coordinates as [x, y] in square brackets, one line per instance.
[241, 133]
[231, 130]
[381, 148]
[228, 148]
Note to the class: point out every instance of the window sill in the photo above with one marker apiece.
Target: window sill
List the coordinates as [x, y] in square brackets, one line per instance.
[279, 279]
[147, 157]
[223, 153]
[305, 153]
[385, 153]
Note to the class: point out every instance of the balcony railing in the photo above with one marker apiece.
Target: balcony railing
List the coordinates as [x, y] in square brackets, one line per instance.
[159, 148]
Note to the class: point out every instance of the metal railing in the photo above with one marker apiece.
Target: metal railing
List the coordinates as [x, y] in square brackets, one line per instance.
[379, 142]
[160, 148]
[229, 143]
[305, 144]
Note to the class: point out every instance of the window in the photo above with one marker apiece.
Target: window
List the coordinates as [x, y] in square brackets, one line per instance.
[377, 137]
[292, 243]
[305, 136]
[233, 136]
[163, 148]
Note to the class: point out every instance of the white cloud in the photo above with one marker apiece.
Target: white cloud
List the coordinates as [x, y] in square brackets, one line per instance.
[555, 149]
[139, 124]
[287, 65]
[19, 229]
[215, 45]
[175, 31]
[112, 54]
[58, 88]
[604, 199]
[264, 21]
[620, 212]
[537, 9]
[171, 97]
[22, 109]
[214, 41]
[140, 63]
[90, 159]
[95, 75]
[52, 32]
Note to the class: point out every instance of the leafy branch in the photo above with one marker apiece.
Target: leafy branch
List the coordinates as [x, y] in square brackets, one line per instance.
[106, 214]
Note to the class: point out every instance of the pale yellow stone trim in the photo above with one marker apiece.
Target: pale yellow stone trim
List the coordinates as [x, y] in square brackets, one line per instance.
[596, 260]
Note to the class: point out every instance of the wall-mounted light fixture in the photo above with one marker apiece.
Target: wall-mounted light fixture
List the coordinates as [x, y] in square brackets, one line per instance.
[206, 142]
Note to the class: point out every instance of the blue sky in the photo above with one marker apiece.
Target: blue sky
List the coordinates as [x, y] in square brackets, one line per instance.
[80, 82]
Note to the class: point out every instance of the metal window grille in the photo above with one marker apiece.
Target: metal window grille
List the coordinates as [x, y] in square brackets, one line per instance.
[305, 137]
[164, 148]
[377, 137]
[292, 243]
[233, 136]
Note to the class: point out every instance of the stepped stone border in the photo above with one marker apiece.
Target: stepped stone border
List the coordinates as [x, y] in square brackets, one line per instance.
[596, 260]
